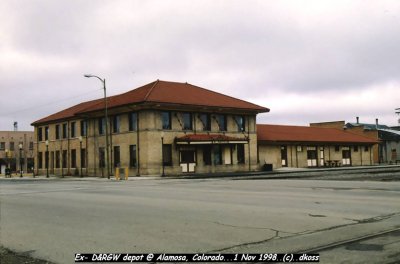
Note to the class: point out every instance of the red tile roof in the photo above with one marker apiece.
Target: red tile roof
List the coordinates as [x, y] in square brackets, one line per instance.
[161, 92]
[207, 137]
[280, 133]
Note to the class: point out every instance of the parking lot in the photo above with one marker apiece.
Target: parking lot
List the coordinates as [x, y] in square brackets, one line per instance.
[56, 218]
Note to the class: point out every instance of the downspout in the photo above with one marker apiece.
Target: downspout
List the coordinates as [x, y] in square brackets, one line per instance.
[68, 154]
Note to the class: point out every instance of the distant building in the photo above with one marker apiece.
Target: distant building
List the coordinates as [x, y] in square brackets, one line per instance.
[10, 154]
[388, 148]
[301, 146]
[159, 128]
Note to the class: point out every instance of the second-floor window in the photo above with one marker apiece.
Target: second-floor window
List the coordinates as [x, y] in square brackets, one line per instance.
[64, 131]
[166, 120]
[40, 134]
[57, 131]
[102, 125]
[83, 128]
[132, 121]
[240, 122]
[73, 129]
[205, 120]
[46, 133]
[31, 145]
[221, 120]
[187, 121]
[12, 147]
[116, 124]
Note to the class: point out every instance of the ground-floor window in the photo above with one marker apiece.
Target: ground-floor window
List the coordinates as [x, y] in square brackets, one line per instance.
[64, 158]
[217, 151]
[188, 156]
[207, 155]
[167, 154]
[73, 158]
[132, 155]
[83, 158]
[102, 159]
[284, 156]
[57, 159]
[40, 160]
[117, 157]
[240, 153]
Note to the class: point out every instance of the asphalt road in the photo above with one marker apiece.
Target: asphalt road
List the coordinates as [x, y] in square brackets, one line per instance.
[54, 219]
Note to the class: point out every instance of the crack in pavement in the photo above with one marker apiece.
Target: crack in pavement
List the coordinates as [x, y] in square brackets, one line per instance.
[265, 228]
[276, 236]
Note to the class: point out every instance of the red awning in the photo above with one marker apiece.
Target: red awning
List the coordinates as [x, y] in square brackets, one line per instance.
[209, 139]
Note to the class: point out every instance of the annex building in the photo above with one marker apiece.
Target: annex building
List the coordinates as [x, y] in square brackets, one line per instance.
[307, 147]
[160, 128]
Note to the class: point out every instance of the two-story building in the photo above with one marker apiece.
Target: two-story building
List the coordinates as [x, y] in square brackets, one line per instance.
[160, 128]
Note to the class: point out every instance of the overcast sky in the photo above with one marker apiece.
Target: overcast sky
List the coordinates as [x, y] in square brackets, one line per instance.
[308, 61]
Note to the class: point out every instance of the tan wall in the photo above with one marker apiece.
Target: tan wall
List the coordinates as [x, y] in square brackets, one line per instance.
[271, 154]
[334, 124]
[6, 155]
[149, 145]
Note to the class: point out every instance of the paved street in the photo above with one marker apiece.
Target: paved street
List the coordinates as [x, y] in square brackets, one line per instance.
[53, 219]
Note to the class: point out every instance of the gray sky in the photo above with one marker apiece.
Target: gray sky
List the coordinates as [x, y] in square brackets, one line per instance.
[308, 61]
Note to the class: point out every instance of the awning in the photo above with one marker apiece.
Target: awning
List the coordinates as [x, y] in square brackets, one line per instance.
[203, 139]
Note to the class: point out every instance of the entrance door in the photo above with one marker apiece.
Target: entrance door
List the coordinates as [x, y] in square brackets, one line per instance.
[284, 156]
[346, 156]
[312, 156]
[321, 157]
[188, 160]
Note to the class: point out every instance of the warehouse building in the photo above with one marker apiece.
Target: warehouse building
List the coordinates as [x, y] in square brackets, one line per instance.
[308, 147]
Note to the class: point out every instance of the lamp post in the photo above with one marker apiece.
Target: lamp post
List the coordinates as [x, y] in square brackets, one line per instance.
[47, 159]
[106, 119]
[80, 146]
[20, 160]
[162, 153]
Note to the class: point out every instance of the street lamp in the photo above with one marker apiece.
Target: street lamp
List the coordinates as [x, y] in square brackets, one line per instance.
[47, 159]
[106, 118]
[162, 153]
[80, 145]
[20, 160]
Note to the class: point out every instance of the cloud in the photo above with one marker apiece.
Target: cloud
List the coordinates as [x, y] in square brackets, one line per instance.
[306, 51]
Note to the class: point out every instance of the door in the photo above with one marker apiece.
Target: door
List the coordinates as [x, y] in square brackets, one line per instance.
[188, 160]
[312, 157]
[321, 157]
[284, 156]
[346, 156]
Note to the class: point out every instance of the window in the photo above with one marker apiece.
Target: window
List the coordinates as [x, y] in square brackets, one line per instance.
[83, 128]
[31, 145]
[166, 120]
[12, 146]
[240, 122]
[167, 154]
[2, 145]
[187, 121]
[47, 159]
[57, 131]
[299, 148]
[337, 148]
[188, 156]
[132, 121]
[46, 133]
[132, 155]
[207, 155]
[116, 124]
[73, 128]
[40, 135]
[64, 131]
[205, 120]
[366, 148]
[102, 125]
[73, 158]
[217, 155]
[355, 148]
[40, 160]
[83, 158]
[240, 154]
[221, 120]
[102, 160]
[57, 159]
[117, 159]
[64, 158]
